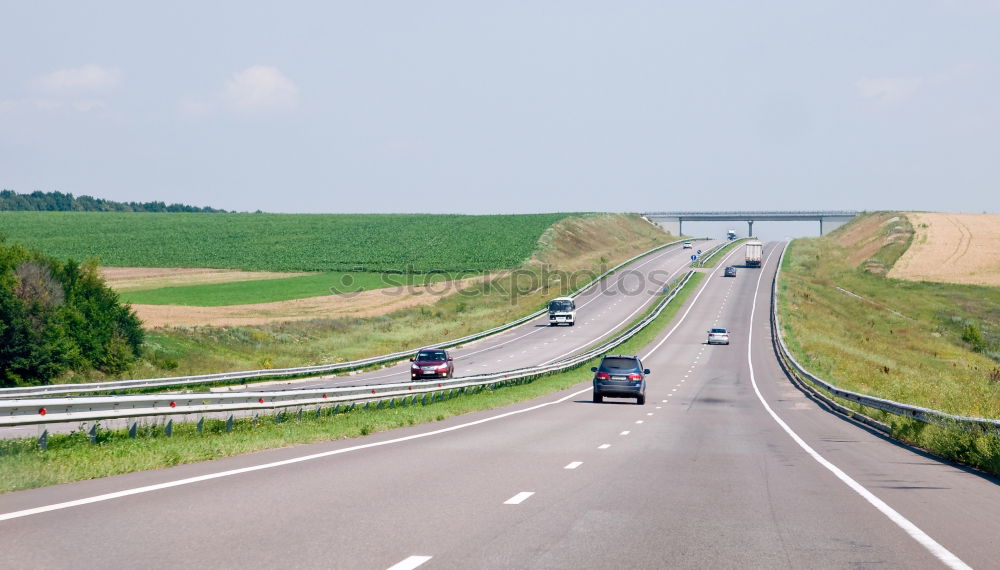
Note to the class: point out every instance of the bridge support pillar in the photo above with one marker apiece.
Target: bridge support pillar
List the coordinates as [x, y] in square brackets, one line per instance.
[749, 228]
[821, 226]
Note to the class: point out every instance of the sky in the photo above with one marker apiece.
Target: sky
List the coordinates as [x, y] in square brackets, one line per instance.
[506, 107]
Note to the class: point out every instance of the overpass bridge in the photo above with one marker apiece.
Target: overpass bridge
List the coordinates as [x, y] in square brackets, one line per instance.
[665, 218]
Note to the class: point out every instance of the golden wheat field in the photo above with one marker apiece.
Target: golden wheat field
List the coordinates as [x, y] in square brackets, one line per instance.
[952, 248]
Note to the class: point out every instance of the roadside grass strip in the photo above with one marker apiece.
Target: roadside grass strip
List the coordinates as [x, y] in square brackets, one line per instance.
[898, 340]
[72, 457]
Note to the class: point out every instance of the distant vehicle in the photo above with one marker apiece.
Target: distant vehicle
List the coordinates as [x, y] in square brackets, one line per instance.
[731, 234]
[562, 310]
[729, 272]
[431, 363]
[718, 336]
[755, 251]
[687, 245]
[620, 377]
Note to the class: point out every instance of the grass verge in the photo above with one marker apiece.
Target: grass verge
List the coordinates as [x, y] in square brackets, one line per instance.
[71, 457]
[900, 340]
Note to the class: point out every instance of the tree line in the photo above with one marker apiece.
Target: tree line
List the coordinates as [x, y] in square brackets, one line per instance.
[59, 316]
[39, 201]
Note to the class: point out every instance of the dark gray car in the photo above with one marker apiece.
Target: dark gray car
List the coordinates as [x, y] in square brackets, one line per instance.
[729, 272]
[620, 377]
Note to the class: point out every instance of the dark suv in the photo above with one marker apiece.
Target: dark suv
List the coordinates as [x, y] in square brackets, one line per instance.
[431, 363]
[620, 377]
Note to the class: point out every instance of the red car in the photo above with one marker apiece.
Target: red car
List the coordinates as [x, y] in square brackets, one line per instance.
[431, 363]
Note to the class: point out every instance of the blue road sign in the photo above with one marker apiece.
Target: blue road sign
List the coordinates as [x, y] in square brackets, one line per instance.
[699, 252]
[694, 258]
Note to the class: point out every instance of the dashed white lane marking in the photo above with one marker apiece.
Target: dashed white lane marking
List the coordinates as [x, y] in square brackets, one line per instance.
[626, 432]
[659, 407]
[649, 413]
[275, 464]
[694, 302]
[410, 563]
[924, 539]
[664, 401]
[519, 498]
[638, 421]
[574, 465]
[604, 446]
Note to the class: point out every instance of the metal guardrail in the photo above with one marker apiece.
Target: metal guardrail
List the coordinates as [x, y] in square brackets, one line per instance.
[36, 411]
[925, 415]
[180, 381]
[703, 259]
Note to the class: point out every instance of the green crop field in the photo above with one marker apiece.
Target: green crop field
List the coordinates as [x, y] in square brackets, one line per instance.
[266, 291]
[409, 243]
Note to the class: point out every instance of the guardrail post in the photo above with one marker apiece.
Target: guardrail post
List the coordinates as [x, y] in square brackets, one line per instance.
[229, 423]
[43, 438]
[201, 425]
[133, 429]
[168, 430]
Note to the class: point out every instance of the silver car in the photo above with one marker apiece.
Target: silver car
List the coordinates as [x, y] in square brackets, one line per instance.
[718, 336]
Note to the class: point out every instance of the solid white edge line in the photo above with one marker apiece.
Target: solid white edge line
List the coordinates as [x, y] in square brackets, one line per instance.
[231, 472]
[519, 498]
[684, 316]
[935, 548]
[410, 563]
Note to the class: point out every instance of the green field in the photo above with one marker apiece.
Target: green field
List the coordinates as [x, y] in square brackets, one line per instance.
[409, 243]
[270, 290]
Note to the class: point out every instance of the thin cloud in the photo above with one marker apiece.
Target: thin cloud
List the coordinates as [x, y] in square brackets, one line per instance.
[889, 88]
[86, 79]
[260, 88]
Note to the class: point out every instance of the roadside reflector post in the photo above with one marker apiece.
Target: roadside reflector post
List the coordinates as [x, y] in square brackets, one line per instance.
[319, 412]
[133, 429]
[92, 433]
[168, 430]
[277, 416]
[254, 421]
[229, 423]
[43, 437]
[201, 425]
[300, 414]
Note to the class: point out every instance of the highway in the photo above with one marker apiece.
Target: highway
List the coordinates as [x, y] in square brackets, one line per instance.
[727, 465]
[601, 311]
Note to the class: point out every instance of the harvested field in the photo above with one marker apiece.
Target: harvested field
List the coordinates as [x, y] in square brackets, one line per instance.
[952, 248]
[355, 305]
[123, 279]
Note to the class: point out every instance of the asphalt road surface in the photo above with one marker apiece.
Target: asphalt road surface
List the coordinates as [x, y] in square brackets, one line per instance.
[726, 466]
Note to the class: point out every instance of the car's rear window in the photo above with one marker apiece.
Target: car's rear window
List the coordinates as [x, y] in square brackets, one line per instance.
[718, 330]
[619, 364]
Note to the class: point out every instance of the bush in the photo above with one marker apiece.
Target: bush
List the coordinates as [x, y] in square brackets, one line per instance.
[56, 317]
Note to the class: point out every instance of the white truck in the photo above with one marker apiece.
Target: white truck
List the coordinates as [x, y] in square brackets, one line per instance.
[562, 310]
[755, 252]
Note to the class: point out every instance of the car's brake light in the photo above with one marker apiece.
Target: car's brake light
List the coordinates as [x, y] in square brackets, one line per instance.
[603, 376]
[634, 377]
